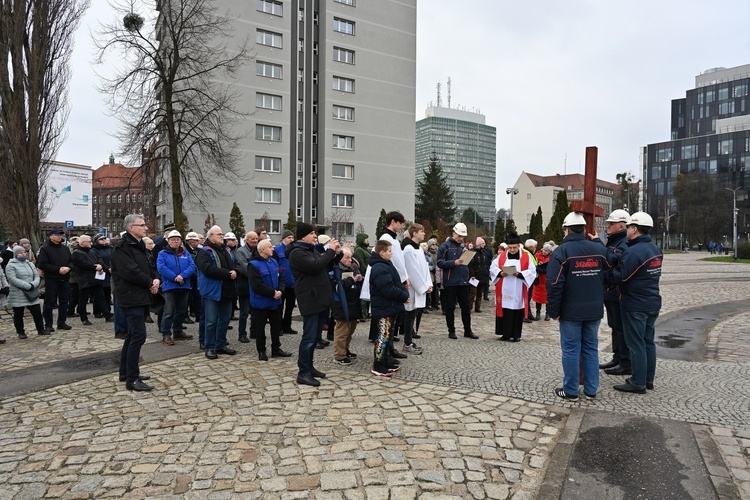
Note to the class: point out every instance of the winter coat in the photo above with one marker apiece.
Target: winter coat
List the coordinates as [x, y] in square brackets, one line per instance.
[447, 254]
[637, 276]
[361, 252]
[539, 293]
[310, 269]
[352, 289]
[214, 281]
[616, 244]
[575, 280]
[284, 265]
[265, 280]
[51, 258]
[479, 267]
[85, 260]
[387, 293]
[170, 264]
[242, 258]
[21, 276]
[105, 252]
[133, 272]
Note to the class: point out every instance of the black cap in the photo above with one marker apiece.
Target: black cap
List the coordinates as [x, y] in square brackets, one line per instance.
[170, 227]
[303, 229]
[512, 239]
[56, 231]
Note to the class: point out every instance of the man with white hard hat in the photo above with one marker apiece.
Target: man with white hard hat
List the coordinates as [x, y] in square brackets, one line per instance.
[455, 281]
[575, 295]
[637, 278]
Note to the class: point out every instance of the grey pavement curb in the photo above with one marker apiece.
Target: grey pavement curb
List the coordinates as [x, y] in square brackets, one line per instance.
[720, 476]
[554, 477]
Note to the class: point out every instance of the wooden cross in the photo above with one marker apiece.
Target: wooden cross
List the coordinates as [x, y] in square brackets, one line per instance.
[587, 206]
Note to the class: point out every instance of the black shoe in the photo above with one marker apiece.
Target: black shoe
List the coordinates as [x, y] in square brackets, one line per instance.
[289, 330]
[43, 332]
[2, 341]
[516, 339]
[98, 315]
[307, 380]
[230, 327]
[505, 339]
[630, 388]
[396, 339]
[546, 317]
[262, 356]
[141, 378]
[325, 342]
[244, 339]
[211, 354]
[416, 336]
[317, 374]
[64, 327]
[137, 386]
[22, 336]
[329, 337]
[618, 370]
[226, 350]
[610, 364]
[48, 330]
[280, 354]
[526, 320]
[649, 386]
[560, 392]
[110, 319]
[201, 346]
[398, 355]
[188, 321]
[470, 335]
[72, 315]
[350, 354]
[86, 322]
[452, 336]
[149, 319]
[121, 335]
[321, 345]
[477, 310]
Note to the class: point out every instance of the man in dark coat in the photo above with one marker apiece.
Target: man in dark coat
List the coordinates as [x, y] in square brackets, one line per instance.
[91, 274]
[55, 261]
[135, 280]
[314, 294]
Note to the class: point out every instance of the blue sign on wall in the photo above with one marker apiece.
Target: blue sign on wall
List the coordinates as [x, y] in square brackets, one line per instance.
[68, 224]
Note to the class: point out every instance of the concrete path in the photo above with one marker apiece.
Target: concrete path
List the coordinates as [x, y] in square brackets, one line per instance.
[467, 419]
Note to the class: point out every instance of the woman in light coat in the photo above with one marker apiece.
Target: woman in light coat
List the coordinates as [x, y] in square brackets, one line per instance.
[22, 275]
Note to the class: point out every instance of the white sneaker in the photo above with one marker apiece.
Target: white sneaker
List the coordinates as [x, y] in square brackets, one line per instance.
[412, 348]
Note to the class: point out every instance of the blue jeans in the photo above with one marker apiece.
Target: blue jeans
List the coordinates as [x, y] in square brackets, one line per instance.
[121, 326]
[579, 342]
[131, 348]
[639, 336]
[175, 311]
[56, 292]
[217, 314]
[312, 328]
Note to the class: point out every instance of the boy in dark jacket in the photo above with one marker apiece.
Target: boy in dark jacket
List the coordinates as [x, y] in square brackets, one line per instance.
[347, 285]
[266, 289]
[387, 298]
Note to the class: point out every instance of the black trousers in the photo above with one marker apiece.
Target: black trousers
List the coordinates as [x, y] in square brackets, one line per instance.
[451, 295]
[136, 337]
[614, 321]
[288, 302]
[96, 292]
[260, 317]
[56, 292]
[36, 313]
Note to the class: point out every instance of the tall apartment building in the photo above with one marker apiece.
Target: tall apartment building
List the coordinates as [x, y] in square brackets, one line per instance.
[331, 89]
[466, 147]
[710, 134]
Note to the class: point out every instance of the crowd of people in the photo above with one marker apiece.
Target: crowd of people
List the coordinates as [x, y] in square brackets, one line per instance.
[336, 286]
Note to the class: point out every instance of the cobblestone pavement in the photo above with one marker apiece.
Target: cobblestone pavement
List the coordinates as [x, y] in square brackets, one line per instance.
[467, 419]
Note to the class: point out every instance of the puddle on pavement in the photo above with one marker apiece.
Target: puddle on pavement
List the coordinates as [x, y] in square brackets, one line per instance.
[671, 341]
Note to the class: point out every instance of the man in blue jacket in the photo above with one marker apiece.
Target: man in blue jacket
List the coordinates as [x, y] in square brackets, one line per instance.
[176, 267]
[637, 277]
[575, 296]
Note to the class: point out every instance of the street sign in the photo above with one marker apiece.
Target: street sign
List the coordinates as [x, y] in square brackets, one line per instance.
[102, 230]
[68, 224]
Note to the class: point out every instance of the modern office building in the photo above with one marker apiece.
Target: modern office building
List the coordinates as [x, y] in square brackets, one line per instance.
[466, 148]
[536, 191]
[330, 132]
[710, 136]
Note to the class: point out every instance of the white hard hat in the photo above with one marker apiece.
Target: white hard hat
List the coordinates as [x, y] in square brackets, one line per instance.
[618, 215]
[641, 219]
[229, 236]
[574, 219]
[192, 236]
[460, 229]
[174, 234]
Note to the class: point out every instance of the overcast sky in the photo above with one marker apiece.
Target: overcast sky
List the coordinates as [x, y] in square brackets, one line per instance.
[552, 76]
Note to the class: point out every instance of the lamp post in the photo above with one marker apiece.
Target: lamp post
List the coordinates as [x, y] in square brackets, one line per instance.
[512, 192]
[101, 203]
[734, 216]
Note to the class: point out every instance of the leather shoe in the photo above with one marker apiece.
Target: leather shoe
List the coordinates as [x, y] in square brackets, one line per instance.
[317, 374]
[630, 388]
[182, 336]
[399, 355]
[290, 331]
[320, 345]
[307, 380]
[226, 350]
[142, 377]
[611, 364]
[64, 327]
[618, 370]
[86, 323]
[280, 354]
[452, 336]
[137, 386]
[470, 335]
[244, 339]
[262, 356]
[211, 354]
[167, 340]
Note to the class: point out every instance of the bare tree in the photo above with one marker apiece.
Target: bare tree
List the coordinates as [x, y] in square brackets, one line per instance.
[36, 42]
[337, 220]
[173, 87]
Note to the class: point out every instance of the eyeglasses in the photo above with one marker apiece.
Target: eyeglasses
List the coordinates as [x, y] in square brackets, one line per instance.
[139, 225]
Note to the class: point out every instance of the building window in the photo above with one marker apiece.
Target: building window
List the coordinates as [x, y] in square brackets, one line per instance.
[267, 195]
[726, 108]
[724, 94]
[343, 26]
[689, 152]
[725, 147]
[343, 55]
[269, 70]
[342, 229]
[269, 7]
[345, 2]
[664, 154]
[747, 143]
[343, 84]
[272, 226]
[93, 200]
[740, 90]
[340, 171]
[710, 96]
[267, 164]
[343, 142]
[267, 101]
[300, 135]
[343, 113]
[268, 133]
[342, 200]
[656, 171]
[119, 198]
[269, 38]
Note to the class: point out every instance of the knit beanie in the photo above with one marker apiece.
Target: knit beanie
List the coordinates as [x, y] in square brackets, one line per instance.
[303, 229]
[18, 249]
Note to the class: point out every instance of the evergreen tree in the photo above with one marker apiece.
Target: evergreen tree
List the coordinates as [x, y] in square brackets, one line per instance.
[554, 229]
[380, 225]
[434, 197]
[536, 231]
[291, 221]
[236, 221]
[499, 231]
[510, 227]
[470, 216]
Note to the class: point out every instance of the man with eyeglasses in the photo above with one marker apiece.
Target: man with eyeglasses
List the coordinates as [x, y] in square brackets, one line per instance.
[134, 280]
